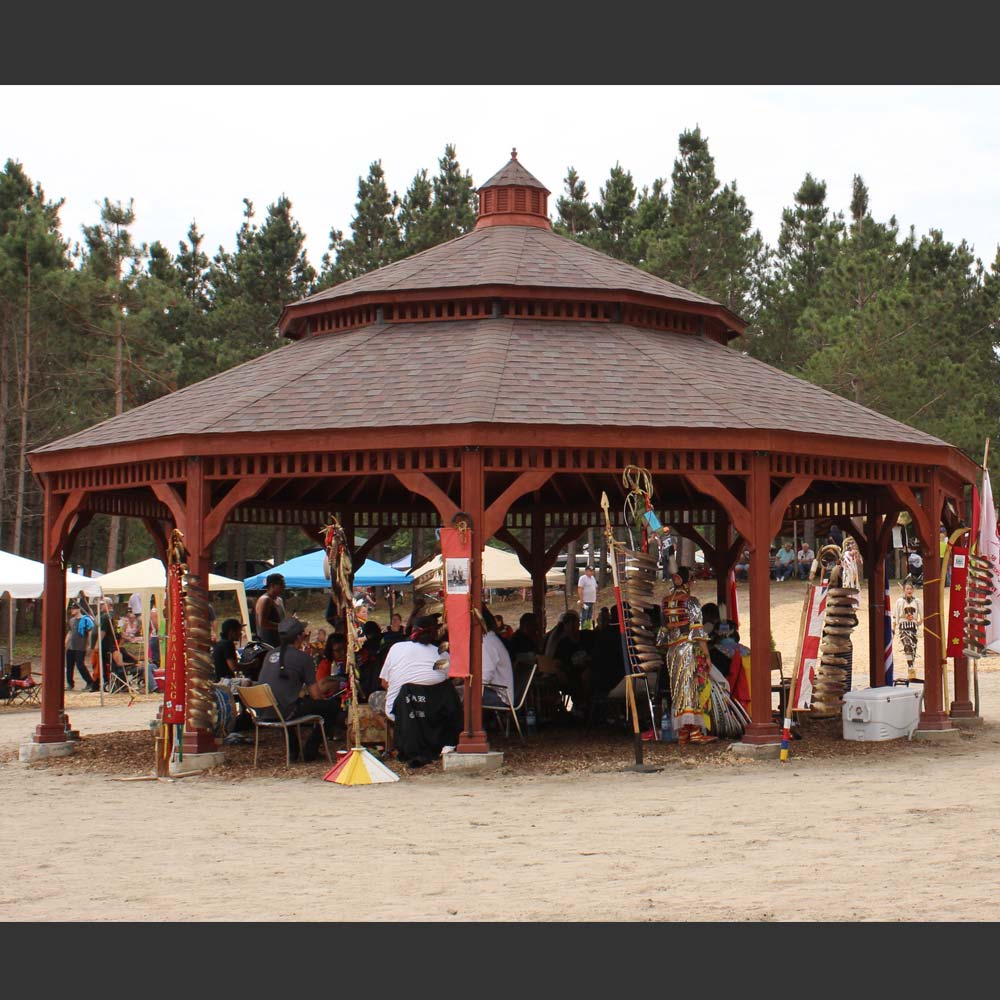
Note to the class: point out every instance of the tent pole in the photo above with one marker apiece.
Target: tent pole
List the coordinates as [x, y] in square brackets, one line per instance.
[100, 650]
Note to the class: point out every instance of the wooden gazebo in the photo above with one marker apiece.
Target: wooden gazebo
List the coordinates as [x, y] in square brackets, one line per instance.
[511, 374]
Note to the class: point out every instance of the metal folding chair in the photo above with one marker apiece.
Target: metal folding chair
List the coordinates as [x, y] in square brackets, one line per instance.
[510, 711]
[258, 696]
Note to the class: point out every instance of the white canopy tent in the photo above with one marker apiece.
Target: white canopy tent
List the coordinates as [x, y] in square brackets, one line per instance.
[24, 578]
[500, 569]
[149, 578]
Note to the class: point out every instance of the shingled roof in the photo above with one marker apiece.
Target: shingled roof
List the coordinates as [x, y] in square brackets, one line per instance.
[514, 174]
[497, 371]
[510, 255]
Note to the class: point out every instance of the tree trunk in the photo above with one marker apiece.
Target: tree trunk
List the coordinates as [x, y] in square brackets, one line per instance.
[22, 453]
[590, 547]
[280, 544]
[231, 553]
[119, 401]
[418, 547]
[571, 568]
[241, 552]
[4, 406]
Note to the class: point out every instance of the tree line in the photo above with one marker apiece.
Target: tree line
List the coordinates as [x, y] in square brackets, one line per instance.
[91, 326]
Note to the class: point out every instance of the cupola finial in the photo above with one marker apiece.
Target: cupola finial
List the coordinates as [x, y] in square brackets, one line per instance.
[513, 153]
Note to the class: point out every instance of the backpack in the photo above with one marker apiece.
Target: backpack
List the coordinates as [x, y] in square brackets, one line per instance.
[84, 625]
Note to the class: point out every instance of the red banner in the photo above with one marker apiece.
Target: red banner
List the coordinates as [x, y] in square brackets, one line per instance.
[175, 676]
[813, 614]
[456, 558]
[956, 609]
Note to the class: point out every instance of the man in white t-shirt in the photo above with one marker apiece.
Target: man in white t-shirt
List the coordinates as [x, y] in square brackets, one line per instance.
[588, 597]
[412, 662]
[135, 604]
[497, 669]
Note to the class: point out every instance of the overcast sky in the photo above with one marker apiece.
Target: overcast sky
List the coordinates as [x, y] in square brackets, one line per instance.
[930, 155]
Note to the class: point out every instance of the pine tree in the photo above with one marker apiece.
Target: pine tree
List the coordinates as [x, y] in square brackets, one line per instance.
[453, 212]
[31, 251]
[375, 239]
[709, 245]
[652, 218]
[414, 216]
[268, 269]
[614, 215]
[575, 213]
[808, 242]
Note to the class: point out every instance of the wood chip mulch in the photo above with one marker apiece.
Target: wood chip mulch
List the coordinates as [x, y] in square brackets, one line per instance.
[556, 749]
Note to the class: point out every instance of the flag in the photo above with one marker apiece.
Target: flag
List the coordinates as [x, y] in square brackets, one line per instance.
[955, 638]
[888, 664]
[813, 614]
[989, 549]
[734, 611]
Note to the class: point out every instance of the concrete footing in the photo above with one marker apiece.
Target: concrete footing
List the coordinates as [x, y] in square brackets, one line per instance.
[971, 723]
[30, 752]
[762, 751]
[938, 735]
[196, 762]
[473, 762]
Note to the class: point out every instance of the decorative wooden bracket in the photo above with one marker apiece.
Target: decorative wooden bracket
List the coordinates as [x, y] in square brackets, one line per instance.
[173, 501]
[523, 552]
[907, 498]
[63, 523]
[82, 519]
[788, 493]
[378, 536]
[552, 554]
[526, 482]
[711, 485]
[242, 490]
[159, 531]
[846, 524]
[421, 483]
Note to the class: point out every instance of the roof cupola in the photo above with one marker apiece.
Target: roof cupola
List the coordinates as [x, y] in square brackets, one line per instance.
[513, 197]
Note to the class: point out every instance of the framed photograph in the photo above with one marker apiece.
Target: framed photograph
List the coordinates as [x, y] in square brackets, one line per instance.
[456, 576]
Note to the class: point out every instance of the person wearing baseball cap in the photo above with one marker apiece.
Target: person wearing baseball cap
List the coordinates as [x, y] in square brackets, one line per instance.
[290, 668]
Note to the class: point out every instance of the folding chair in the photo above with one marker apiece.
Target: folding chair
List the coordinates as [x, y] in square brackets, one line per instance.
[509, 709]
[22, 688]
[258, 696]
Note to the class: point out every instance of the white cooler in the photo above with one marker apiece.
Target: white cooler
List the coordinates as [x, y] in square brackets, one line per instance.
[882, 713]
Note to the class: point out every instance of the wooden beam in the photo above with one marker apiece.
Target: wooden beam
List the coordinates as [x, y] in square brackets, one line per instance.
[378, 536]
[711, 485]
[522, 550]
[788, 493]
[906, 498]
[690, 532]
[526, 482]
[243, 489]
[172, 500]
[569, 535]
[62, 523]
[422, 484]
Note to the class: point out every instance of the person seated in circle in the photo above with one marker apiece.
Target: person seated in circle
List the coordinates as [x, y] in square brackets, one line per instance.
[414, 661]
[224, 657]
[333, 664]
[287, 670]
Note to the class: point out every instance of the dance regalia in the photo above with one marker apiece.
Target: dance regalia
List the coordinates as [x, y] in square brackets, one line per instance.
[688, 663]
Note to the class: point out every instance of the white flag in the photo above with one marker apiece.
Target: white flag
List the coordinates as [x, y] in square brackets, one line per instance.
[989, 549]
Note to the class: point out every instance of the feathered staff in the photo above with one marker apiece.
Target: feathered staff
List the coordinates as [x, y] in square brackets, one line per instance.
[359, 767]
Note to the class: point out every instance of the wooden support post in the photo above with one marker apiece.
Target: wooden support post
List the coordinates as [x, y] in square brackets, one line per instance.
[53, 725]
[199, 561]
[875, 572]
[762, 729]
[473, 739]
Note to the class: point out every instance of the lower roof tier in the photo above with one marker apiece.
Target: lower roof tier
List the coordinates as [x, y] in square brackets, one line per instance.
[498, 371]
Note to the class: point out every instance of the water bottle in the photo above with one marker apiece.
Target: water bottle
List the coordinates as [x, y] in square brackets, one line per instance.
[667, 734]
[530, 719]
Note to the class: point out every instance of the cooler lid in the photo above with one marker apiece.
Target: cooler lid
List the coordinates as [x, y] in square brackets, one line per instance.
[880, 694]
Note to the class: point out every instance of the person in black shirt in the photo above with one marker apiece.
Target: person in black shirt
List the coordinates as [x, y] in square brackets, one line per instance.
[224, 652]
[525, 639]
[287, 670]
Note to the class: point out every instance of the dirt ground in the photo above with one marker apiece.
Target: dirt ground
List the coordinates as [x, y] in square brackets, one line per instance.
[844, 831]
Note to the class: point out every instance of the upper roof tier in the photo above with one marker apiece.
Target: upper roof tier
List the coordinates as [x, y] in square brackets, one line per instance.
[512, 252]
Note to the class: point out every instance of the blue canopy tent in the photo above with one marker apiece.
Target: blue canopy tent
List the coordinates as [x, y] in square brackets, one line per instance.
[306, 571]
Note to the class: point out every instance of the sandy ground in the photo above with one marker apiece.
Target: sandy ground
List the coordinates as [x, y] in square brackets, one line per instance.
[907, 834]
